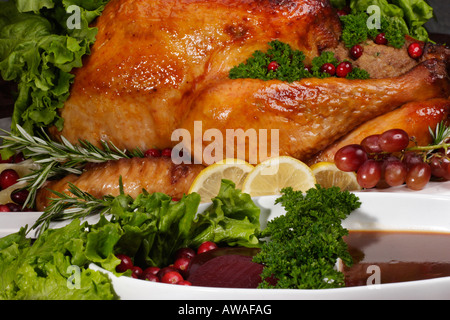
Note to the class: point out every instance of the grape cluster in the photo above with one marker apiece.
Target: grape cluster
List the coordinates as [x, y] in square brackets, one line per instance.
[384, 160]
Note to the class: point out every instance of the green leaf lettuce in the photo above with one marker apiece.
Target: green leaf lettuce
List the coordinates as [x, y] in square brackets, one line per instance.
[38, 51]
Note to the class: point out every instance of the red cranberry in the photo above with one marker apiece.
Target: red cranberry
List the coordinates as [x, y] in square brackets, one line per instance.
[150, 277]
[328, 68]
[6, 160]
[344, 11]
[172, 277]
[8, 178]
[356, 51]
[184, 283]
[150, 270]
[20, 196]
[136, 272]
[152, 153]
[415, 50]
[18, 158]
[167, 153]
[165, 270]
[206, 246]
[185, 253]
[125, 263]
[343, 69]
[381, 39]
[182, 264]
[273, 66]
[14, 207]
[4, 208]
[308, 68]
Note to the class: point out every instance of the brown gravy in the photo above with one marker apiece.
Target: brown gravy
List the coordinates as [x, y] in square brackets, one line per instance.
[386, 257]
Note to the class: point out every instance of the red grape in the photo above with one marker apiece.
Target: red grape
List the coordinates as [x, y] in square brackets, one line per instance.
[395, 173]
[418, 176]
[447, 172]
[412, 158]
[369, 174]
[394, 140]
[350, 158]
[371, 144]
[438, 164]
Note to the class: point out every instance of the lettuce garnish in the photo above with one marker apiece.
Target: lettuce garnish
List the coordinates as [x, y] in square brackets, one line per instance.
[39, 47]
[150, 228]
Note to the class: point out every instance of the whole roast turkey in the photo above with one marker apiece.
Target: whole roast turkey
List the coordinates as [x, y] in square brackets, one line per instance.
[162, 65]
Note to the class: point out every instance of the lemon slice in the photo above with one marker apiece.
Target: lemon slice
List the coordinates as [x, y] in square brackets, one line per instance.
[275, 174]
[328, 175]
[208, 182]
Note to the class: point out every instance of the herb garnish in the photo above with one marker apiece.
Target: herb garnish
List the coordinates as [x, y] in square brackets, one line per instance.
[58, 159]
[305, 243]
[356, 31]
[291, 65]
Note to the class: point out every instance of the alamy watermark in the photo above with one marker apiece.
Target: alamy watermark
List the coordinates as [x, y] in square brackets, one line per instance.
[74, 20]
[214, 145]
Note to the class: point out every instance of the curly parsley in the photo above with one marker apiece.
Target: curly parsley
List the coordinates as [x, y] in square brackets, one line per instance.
[355, 30]
[305, 243]
[291, 65]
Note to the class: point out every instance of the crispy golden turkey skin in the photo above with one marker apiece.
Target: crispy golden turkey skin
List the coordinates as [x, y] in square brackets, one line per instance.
[151, 57]
[162, 65]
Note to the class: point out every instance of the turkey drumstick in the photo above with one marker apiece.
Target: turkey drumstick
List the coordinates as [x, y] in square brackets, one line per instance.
[312, 113]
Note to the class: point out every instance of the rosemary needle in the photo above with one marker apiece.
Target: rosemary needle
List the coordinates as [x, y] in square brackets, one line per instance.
[58, 158]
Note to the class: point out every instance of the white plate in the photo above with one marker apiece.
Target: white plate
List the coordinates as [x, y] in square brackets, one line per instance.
[379, 211]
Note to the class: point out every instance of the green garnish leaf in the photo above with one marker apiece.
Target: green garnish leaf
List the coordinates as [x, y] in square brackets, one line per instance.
[356, 31]
[38, 50]
[291, 65]
[305, 243]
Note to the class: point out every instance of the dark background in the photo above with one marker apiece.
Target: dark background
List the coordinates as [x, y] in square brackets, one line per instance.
[438, 27]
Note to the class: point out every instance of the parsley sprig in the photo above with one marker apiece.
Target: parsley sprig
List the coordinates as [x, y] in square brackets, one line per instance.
[305, 243]
[291, 65]
[356, 31]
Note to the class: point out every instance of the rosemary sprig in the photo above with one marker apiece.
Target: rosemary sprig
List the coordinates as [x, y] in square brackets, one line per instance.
[440, 140]
[441, 135]
[77, 204]
[59, 158]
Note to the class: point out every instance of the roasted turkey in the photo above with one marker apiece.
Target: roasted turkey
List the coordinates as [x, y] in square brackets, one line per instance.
[162, 65]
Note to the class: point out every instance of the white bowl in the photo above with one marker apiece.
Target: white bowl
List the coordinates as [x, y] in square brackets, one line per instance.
[379, 211]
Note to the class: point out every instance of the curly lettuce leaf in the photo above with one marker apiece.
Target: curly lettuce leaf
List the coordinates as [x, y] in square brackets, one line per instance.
[43, 270]
[233, 218]
[38, 50]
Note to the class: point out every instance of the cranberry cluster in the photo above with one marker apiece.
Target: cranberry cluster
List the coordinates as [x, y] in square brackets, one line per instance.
[8, 178]
[172, 274]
